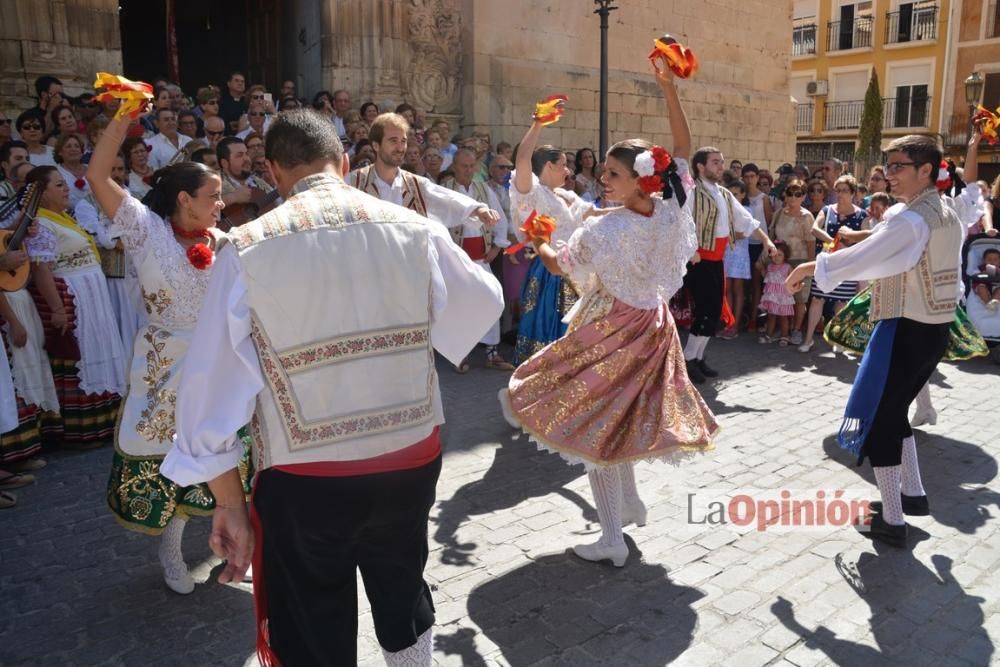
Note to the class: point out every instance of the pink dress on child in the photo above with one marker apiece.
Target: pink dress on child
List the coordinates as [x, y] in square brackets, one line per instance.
[776, 300]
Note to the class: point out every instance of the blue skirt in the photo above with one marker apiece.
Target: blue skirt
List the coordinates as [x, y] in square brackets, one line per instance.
[545, 300]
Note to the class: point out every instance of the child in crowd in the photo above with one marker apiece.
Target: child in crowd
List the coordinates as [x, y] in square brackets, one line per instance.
[776, 301]
[986, 283]
[737, 266]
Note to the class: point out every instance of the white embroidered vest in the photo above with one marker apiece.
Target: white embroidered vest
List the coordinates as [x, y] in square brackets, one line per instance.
[929, 291]
[343, 336]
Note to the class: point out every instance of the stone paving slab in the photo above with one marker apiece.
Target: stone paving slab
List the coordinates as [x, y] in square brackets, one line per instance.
[77, 589]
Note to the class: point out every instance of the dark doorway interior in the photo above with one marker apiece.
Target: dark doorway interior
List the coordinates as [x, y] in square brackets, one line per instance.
[214, 37]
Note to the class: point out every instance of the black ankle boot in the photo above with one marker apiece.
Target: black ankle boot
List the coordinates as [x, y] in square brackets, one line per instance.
[878, 529]
[912, 505]
[707, 370]
[694, 372]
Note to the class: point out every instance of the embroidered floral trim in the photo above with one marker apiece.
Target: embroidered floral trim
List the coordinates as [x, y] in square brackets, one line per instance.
[355, 347]
[159, 301]
[77, 260]
[302, 434]
[156, 421]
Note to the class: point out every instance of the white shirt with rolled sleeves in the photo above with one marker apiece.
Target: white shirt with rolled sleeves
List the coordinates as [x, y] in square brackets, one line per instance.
[894, 247]
[222, 375]
[446, 206]
[744, 223]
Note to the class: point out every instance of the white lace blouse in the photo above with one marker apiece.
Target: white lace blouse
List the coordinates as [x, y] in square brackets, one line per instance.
[562, 205]
[638, 259]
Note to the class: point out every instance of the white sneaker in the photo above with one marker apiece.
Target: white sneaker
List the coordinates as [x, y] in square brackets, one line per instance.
[598, 551]
[920, 418]
[634, 514]
[805, 347]
[177, 577]
[505, 407]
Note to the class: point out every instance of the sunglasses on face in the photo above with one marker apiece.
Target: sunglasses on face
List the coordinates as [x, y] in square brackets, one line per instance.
[257, 97]
[4, 121]
[214, 134]
[795, 193]
[31, 126]
[256, 113]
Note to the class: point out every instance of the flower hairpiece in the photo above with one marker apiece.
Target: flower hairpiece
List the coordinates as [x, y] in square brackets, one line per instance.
[943, 176]
[649, 164]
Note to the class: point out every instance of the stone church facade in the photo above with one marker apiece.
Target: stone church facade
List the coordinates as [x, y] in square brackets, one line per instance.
[480, 63]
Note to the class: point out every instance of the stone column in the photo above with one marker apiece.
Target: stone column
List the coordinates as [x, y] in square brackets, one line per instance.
[68, 39]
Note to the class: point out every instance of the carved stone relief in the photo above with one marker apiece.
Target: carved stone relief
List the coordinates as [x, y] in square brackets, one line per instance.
[435, 76]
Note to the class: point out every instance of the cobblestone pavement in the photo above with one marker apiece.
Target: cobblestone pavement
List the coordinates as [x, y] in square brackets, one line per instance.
[78, 589]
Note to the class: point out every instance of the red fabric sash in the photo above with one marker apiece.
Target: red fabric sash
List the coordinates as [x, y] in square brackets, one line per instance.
[475, 247]
[716, 255]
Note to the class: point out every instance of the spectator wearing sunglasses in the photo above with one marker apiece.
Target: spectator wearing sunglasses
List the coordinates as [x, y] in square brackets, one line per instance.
[6, 127]
[31, 126]
[816, 194]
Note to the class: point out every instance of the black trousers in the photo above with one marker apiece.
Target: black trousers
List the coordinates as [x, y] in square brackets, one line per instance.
[706, 281]
[317, 533]
[916, 351]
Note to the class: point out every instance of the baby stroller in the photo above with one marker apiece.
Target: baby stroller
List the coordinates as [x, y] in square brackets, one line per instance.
[987, 322]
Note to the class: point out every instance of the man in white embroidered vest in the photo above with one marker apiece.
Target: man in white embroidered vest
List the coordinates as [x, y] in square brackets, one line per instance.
[720, 219]
[385, 180]
[479, 241]
[913, 257]
[340, 390]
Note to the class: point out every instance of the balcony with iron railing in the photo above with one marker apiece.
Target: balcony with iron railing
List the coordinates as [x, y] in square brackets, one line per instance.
[897, 113]
[804, 36]
[842, 115]
[846, 35]
[916, 23]
[804, 115]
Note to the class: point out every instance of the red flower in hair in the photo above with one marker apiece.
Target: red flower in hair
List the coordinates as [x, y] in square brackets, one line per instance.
[661, 158]
[80, 184]
[651, 184]
[200, 256]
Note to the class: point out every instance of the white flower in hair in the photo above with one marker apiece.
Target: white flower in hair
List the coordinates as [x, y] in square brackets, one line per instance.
[943, 174]
[645, 165]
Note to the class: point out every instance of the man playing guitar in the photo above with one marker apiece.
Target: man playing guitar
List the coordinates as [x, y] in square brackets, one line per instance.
[246, 197]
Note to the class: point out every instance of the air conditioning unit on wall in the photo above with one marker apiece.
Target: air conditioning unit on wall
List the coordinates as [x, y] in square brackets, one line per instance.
[816, 88]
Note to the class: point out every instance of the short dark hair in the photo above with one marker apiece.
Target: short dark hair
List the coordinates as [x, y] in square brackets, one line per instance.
[542, 156]
[369, 103]
[163, 109]
[199, 155]
[921, 149]
[701, 157]
[750, 168]
[172, 180]
[185, 114]
[299, 136]
[233, 73]
[222, 151]
[405, 107]
[6, 149]
[43, 83]
[30, 114]
[128, 146]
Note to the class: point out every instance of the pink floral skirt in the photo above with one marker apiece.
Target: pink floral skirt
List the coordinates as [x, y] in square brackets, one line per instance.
[613, 389]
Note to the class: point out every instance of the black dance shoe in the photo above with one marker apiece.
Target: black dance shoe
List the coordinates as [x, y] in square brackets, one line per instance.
[912, 505]
[694, 372]
[878, 529]
[707, 370]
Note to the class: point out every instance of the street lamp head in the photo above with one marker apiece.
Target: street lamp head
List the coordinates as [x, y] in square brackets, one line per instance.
[973, 88]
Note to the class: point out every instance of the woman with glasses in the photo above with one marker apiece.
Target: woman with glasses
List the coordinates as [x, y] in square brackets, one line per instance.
[816, 199]
[876, 183]
[826, 231]
[793, 224]
[257, 120]
[31, 126]
[140, 173]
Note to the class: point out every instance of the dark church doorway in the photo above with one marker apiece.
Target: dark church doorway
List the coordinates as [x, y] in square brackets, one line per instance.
[213, 37]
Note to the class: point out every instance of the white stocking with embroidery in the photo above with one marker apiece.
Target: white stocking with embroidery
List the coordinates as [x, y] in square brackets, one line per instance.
[912, 484]
[633, 509]
[418, 655]
[606, 485]
[889, 479]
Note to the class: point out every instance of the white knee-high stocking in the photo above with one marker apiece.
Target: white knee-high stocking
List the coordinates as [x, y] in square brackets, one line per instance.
[911, 483]
[889, 479]
[606, 485]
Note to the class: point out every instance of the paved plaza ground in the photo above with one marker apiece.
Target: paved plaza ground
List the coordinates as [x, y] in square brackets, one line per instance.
[79, 589]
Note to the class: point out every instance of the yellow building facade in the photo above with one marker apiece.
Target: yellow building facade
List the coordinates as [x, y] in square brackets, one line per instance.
[837, 44]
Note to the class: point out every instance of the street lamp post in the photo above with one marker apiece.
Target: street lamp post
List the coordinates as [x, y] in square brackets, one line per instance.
[973, 89]
[604, 7]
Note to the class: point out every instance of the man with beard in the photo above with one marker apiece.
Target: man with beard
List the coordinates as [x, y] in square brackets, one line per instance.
[243, 194]
[719, 220]
[384, 179]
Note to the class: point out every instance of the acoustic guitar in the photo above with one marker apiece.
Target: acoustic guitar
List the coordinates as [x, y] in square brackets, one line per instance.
[13, 239]
[260, 203]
